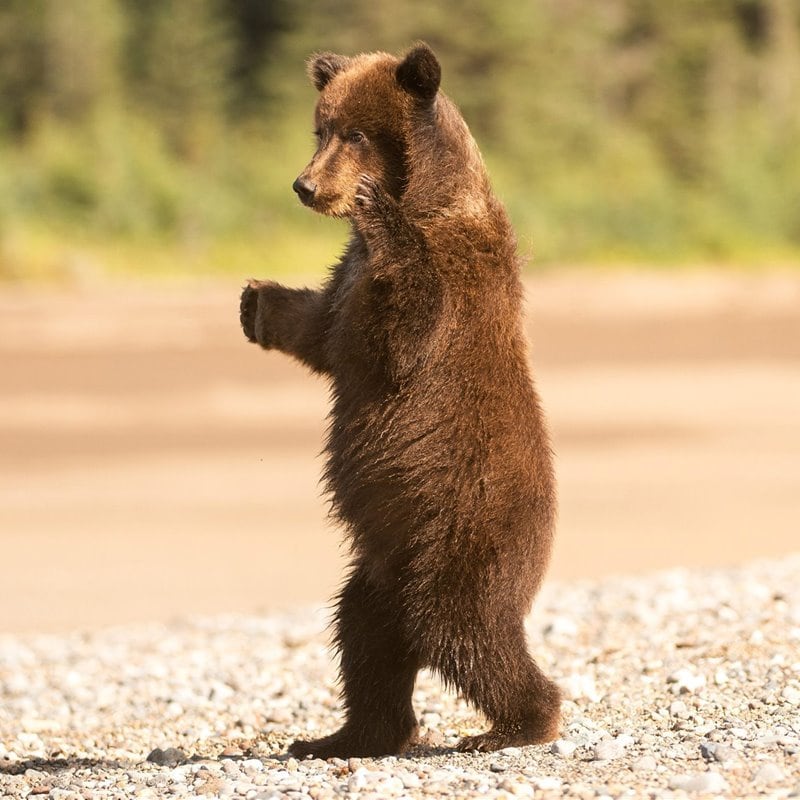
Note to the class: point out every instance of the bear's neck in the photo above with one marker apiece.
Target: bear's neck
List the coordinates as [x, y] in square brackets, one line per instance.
[447, 178]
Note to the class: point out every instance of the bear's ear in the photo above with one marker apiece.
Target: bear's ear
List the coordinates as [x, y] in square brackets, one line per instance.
[419, 73]
[323, 66]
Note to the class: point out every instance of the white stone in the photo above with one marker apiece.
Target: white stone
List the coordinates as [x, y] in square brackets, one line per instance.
[577, 686]
[547, 783]
[561, 627]
[357, 781]
[677, 708]
[563, 747]
[700, 782]
[768, 774]
[644, 764]
[608, 750]
[517, 788]
[684, 680]
[791, 695]
[410, 780]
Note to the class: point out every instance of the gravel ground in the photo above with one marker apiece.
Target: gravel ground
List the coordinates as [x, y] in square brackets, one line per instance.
[678, 683]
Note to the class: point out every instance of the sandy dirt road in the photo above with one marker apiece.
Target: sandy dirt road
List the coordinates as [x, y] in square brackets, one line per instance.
[152, 464]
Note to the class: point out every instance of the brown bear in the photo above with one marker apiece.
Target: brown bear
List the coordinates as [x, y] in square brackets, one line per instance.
[438, 459]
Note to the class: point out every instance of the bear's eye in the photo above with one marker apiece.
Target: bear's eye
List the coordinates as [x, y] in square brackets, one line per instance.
[356, 137]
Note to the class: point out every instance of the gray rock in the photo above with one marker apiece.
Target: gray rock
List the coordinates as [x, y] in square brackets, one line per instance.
[721, 753]
[170, 757]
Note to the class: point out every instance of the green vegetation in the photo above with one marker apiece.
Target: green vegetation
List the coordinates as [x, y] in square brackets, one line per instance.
[164, 135]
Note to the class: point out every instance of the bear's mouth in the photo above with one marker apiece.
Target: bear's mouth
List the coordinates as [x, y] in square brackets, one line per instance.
[336, 207]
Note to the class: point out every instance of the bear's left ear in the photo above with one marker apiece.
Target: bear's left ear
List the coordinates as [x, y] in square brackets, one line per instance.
[323, 66]
[419, 73]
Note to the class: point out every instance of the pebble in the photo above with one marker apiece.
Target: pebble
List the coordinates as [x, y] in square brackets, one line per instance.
[701, 782]
[768, 774]
[608, 749]
[677, 708]
[579, 687]
[517, 788]
[791, 695]
[563, 747]
[547, 783]
[166, 758]
[713, 751]
[685, 680]
[410, 780]
[644, 764]
[231, 768]
[78, 713]
[252, 766]
[564, 627]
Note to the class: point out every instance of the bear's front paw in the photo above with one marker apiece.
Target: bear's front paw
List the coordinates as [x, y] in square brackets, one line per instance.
[254, 312]
[368, 191]
[371, 200]
[248, 309]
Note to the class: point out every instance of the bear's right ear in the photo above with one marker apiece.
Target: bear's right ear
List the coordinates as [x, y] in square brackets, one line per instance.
[419, 73]
[323, 66]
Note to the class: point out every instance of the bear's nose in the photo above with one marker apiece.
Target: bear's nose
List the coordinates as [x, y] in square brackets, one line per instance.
[305, 190]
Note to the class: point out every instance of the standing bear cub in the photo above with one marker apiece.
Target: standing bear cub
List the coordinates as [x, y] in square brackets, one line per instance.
[438, 460]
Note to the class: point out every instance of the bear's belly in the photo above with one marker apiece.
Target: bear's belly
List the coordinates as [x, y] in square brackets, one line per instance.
[405, 475]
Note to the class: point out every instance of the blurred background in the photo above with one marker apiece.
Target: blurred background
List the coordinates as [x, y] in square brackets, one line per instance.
[153, 464]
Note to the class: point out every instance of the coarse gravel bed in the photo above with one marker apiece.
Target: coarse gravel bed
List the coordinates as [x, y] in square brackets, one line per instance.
[677, 683]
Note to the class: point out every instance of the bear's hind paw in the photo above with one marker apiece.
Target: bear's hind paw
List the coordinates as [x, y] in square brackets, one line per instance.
[346, 744]
[501, 736]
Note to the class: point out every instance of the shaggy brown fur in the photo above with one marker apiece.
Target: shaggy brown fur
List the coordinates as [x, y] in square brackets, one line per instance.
[438, 461]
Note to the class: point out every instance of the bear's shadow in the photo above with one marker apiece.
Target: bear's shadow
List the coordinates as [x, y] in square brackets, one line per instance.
[56, 765]
[53, 766]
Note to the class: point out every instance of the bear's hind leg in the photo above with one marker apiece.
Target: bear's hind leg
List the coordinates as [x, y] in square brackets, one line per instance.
[378, 670]
[496, 674]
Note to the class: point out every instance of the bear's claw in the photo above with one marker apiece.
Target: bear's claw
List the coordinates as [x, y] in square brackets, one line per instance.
[368, 192]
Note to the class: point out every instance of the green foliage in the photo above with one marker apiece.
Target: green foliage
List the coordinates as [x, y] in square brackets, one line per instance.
[626, 129]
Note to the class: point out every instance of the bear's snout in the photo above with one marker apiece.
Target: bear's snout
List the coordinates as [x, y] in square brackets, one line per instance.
[305, 190]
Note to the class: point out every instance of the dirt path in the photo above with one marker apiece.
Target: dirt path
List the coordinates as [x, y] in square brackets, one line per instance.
[152, 464]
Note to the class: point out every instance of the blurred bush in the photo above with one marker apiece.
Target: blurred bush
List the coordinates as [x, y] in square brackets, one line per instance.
[171, 130]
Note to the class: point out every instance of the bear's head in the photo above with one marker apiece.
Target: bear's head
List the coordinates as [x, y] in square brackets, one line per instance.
[362, 121]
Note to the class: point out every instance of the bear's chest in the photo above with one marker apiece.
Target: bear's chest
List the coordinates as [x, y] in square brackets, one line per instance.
[357, 337]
